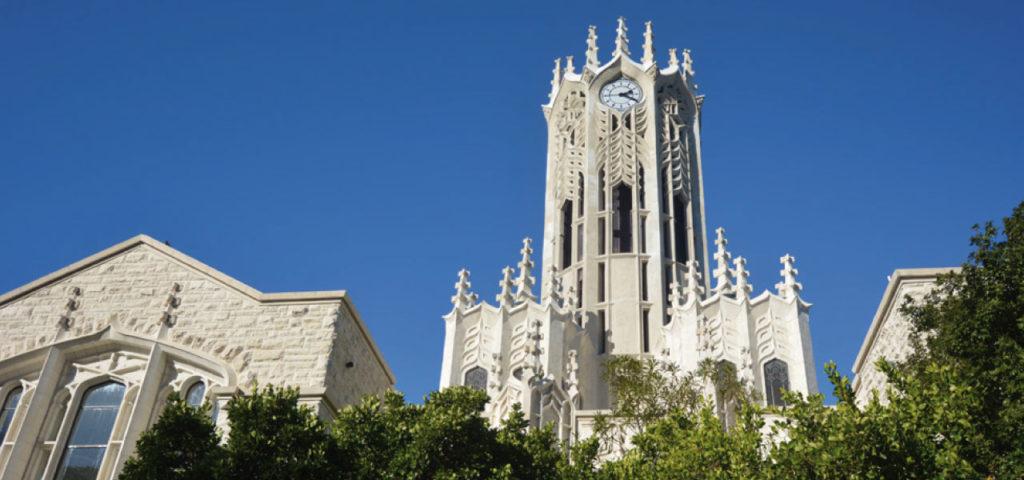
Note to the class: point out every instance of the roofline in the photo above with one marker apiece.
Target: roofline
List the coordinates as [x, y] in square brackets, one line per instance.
[326, 296]
[899, 276]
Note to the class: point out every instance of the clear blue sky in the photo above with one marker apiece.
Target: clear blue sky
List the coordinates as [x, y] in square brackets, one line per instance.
[380, 148]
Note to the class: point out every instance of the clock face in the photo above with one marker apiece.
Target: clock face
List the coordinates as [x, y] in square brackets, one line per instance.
[621, 94]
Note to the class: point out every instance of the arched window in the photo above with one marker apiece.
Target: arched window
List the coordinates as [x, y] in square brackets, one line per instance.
[579, 207]
[194, 396]
[600, 190]
[679, 214]
[776, 379]
[622, 225]
[7, 414]
[90, 434]
[476, 377]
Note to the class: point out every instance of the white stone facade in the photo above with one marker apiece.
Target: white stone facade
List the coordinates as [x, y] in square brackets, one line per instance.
[625, 258]
[153, 320]
[889, 333]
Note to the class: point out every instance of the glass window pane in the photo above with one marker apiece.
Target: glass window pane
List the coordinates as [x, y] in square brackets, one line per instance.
[94, 426]
[195, 394]
[106, 395]
[81, 463]
[7, 414]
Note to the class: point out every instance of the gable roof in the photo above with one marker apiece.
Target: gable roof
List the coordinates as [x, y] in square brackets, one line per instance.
[209, 272]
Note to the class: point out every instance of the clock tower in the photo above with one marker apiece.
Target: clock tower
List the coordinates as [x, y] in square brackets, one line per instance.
[625, 259]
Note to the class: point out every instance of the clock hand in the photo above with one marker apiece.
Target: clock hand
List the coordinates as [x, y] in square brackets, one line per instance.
[627, 95]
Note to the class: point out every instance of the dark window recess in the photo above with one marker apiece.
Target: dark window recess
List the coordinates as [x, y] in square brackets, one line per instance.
[666, 186]
[622, 227]
[579, 208]
[643, 281]
[600, 282]
[666, 238]
[566, 234]
[601, 233]
[476, 377]
[600, 192]
[615, 122]
[640, 188]
[627, 121]
[643, 234]
[668, 281]
[579, 242]
[679, 212]
[776, 380]
[602, 341]
[579, 287]
[647, 331]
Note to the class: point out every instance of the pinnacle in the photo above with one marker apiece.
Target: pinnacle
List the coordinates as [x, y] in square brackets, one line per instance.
[788, 287]
[723, 274]
[648, 57]
[524, 282]
[621, 41]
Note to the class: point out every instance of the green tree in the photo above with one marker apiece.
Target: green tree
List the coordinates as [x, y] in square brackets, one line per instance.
[182, 445]
[974, 323]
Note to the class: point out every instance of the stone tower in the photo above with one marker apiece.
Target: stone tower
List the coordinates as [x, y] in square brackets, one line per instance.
[625, 257]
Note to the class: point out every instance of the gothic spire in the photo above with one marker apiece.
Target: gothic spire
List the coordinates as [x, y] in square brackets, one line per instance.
[673, 61]
[506, 298]
[723, 274]
[648, 57]
[557, 80]
[621, 42]
[788, 287]
[687, 63]
[463, 299]
[743, 288]
[524, 282]
[592, 48]
[570, 68]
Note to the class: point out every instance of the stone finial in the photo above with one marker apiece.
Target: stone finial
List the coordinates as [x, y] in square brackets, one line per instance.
[506, 298]
[463, 299]
[592, 48]
[743, 288]
[675, 294]
[673, 61]
[572, 368]
[570, 67]
[524, 282]
[570, 299]
[648, 57]
[788, 287]
[556, 81]
[687, 63]
[723, 274]
[553, 288]
[621, 42]
[694, 289]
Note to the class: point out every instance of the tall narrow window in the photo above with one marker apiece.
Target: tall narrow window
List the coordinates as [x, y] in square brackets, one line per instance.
[776, 380]
[602, 342]
[622, 227]
[579, 287]
[579, 242]
[579, 207]
[91, 432]
[601, 202]
[666, 186]
[679, 212]
[600, 282]
[601, 249]
[643, 281]
[643, 234]
[566, 234]
[195, 394]
[646, 331]
[7, 414]
[640, 188]
[666, 238]
[668, 282]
